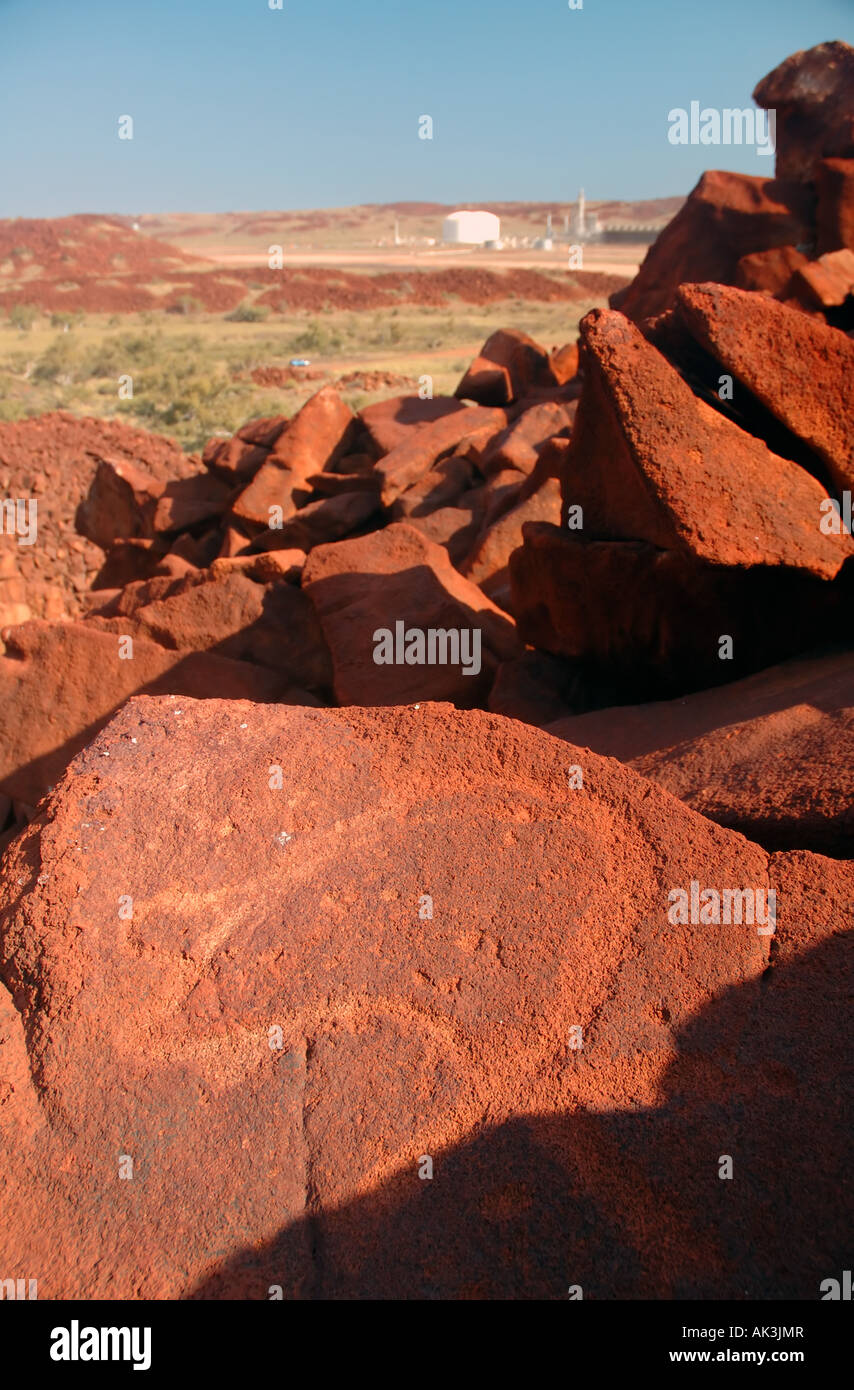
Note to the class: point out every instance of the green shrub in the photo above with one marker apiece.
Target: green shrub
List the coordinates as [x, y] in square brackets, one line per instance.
[23, 316]
[248, 313]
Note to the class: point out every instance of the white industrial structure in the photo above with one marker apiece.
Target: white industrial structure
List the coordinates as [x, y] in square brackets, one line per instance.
[472, 228]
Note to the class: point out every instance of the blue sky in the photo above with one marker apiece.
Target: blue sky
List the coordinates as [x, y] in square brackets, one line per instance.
[237, 106]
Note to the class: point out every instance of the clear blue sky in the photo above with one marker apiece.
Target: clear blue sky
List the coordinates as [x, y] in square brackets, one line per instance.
[236, 106]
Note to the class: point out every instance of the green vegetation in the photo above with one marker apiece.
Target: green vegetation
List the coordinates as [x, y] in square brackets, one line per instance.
[23, 316]
[248, 313]
[191, 373]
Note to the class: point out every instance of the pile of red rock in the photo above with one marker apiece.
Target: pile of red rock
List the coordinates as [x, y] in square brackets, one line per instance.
[343, 985]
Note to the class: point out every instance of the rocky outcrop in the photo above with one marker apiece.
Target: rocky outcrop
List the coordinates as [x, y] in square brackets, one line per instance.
[450, 983]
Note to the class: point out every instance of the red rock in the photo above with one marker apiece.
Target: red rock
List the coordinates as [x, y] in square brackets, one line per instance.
[401, 1037]
[829, 280]
[233, 543]
[196, 551]
[510, 365]
[770, 756]
[120, 503]
[320, 485]
[13, 598]
[486, 562]
[350, 465]
[265, 568]
[726, 217]
[651, 620]
[144, 591]
[187, 501]
[521, 443]
[270, 496]
[128, 560]
[234, 460]
[536, 688]
[175, 565]
[564, 363]
[319, 434]
[391, 422]
[835, 209]
[801, 370]
[361, 586]
[454, 527]
[61, 682]
[422, 450]
[649, 461]
[811, 94]
[771, 272]
[486, 382]
[329, 519]
[551, 462]
[263, 432]
[273, 625]
[473, 446]
[443, 484]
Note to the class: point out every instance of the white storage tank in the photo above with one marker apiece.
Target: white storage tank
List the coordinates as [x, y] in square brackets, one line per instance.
[473, 228]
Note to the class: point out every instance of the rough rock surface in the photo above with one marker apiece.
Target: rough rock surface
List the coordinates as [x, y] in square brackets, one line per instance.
[771, 756]
[801, 371]
[650, 461]
[811, 92]
[292, 1157]
[398, 576]
[655, 618]
[52, 460]
[727, 216]
[60, 682]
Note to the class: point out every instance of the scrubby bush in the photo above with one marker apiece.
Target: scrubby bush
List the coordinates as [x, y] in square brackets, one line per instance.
[23, 316]
[248, 313]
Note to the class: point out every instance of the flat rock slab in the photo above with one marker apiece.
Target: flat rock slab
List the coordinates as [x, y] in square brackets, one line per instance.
[268, 965]
[771, 756]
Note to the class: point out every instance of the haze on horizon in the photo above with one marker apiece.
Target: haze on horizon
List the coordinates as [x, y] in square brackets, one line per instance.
[240, 107]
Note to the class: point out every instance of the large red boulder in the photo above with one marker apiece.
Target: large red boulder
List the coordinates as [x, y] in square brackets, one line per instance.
[650, 461]
[811, 94]
[727, 216]
[800, 369]
[510, 366]
[384, 1004]
[389, 422]
[375, 594]
[61, 682]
